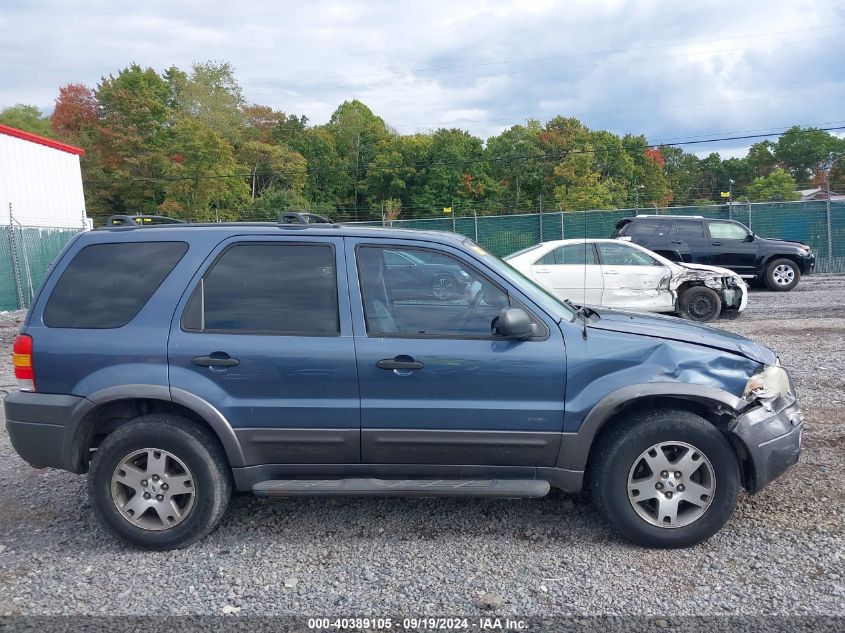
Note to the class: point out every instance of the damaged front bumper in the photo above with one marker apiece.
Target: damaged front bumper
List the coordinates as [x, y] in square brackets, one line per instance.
[771, 435]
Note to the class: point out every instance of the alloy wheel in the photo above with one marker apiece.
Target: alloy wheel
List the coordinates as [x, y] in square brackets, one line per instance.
[783, 275]
[671, 484]
[153, 489]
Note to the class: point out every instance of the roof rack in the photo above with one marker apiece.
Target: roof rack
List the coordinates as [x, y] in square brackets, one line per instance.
[140, 220]
[668, 215]
[303, 217]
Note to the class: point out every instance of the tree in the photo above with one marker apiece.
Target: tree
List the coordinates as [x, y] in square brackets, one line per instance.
[516, 161]
[777, 186]
[201, 174]
[272, 166]
[210, 94]
[27, 118]
[804, 151]
[75, 113]
[682, 172]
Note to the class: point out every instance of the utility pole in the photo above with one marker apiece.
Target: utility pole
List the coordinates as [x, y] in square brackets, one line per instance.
[357, 169]
[829, 219]
[637, 190]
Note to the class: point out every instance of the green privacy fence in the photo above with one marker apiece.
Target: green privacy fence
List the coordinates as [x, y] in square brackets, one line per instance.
[817, 223]
[26, 254]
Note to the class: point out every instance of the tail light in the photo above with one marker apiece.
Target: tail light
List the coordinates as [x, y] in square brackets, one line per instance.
[22, 358]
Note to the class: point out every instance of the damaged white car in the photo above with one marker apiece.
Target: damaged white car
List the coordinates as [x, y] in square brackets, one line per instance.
[623, 275]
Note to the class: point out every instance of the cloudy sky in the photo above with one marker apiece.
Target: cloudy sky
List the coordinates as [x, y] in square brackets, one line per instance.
[669, 70]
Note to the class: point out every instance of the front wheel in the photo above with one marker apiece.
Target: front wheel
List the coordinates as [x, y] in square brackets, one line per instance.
[701, 304]
[160, 482]
[782, 275]
[665, 479]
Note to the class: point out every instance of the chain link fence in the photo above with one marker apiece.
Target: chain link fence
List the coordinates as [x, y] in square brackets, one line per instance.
[820, 224]
[26, 253]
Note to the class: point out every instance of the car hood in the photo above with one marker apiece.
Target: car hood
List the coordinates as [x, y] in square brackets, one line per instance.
[708, 269]
[675, 329]
[772, 241]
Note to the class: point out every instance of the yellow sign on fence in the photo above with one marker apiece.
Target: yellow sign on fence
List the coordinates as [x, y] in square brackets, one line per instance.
[447, 209]
[726, 194]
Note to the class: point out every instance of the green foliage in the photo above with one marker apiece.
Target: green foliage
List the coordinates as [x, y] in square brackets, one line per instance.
[186, 143]
[777, 186]
[27, 118]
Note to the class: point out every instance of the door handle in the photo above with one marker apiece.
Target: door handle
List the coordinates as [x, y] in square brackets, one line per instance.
[676, 242]
[716, 243]
[611, 272]
[400, 362]
[217, 359]
[542, 270]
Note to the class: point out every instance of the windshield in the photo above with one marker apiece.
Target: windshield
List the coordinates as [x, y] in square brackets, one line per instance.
[530, 287]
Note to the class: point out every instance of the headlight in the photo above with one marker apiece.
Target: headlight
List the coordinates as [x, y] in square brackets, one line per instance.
[771, 382]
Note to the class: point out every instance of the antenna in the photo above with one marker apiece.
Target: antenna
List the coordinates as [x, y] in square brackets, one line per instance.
[584, 288]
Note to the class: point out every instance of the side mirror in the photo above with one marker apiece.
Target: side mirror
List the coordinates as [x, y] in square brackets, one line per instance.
[749, 237]
[512, 323]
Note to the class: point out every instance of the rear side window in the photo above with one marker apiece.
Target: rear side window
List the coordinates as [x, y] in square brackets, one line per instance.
[649, 226]
[569, 254]
[106, 285]
[266, 288]
[688, 228]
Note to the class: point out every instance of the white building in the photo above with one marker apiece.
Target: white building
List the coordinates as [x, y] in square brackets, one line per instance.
[42, 181]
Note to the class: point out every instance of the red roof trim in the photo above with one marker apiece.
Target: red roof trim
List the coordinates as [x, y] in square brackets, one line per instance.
[34, 138]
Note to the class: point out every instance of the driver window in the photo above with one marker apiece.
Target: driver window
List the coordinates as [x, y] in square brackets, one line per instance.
[571, 254]
[439, 295]
[623, 255]
[726, 231]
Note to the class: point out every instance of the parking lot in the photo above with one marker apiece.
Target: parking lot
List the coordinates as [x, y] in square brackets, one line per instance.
[782, 553]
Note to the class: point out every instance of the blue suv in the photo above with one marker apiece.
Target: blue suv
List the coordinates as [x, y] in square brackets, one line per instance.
[176, 363]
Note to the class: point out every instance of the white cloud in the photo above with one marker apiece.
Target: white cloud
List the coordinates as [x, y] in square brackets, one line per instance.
[666, 70]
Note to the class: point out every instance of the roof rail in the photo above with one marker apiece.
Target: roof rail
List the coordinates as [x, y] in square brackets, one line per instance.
[668, 215]
[140, 220]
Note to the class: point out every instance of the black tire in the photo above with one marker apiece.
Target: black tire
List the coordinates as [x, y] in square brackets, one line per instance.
[701, 304]
[204, 459]
[618, 452]
[778, 275]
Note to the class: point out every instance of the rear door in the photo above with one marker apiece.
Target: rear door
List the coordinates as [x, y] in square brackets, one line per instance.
[436, 386]
[732, 246]
[652, 233]
[689, 241]
[264, 336]
[634, 279]
[571, 272]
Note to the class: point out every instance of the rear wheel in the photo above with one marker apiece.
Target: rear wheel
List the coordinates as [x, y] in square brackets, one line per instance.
[782, 275]
[160, 482]
[665, 479]
[700, 303]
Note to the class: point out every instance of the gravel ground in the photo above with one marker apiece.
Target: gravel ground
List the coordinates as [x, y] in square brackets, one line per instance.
[782, 553]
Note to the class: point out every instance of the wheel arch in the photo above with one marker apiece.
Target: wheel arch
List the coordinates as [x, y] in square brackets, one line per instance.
[717, 406]
[113, 407]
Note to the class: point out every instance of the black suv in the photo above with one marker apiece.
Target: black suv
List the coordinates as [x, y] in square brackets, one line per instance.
[726, 243]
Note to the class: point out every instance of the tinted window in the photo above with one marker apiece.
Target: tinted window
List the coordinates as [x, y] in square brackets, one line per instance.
[268, 289]
[649, 226]
[726, 230]
[106, 285]
[569, 254]
[623, 255]
[688, 228]
[437, 296]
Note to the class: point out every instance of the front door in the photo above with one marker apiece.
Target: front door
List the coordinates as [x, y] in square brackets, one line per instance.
[732, 246]
[633, 279]
[571, 272]
[264, 336]
[436, 386]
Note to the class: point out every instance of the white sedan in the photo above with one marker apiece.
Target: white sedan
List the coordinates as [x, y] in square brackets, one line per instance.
[623, 275]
